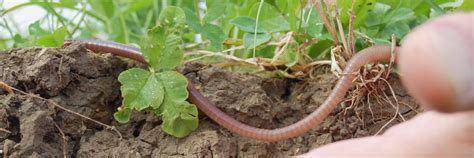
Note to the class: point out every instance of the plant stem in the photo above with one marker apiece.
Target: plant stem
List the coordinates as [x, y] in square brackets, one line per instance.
[331, 29]
[256, 27]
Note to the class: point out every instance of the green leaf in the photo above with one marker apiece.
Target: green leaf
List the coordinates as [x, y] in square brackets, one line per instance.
[399, 29]
[319, 48]
[260, 39]
[193, 20]
[315, 25]
[379, 41]
[105, 8]
[246, 24]
[123, 115]
[68, 3]
[171, 55]
[266, 52]
[214, 34]
[161, 50]
[153, 45]
[36, 30]
[377, 14]
[282, 5]
[135, 6]
[435, 7]
[18, 39]
[59, 35]
[175, 85]
[291, 58]
[361, 10]
[54, 40]
[118, 29]
[400, 15]
[180, 119]
[172, 17]
[215, 9]
[294, 8]
[270, 19]
[140, 89]
[467, 5]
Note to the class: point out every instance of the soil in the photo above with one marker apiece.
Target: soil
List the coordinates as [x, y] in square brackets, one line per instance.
[87, 84]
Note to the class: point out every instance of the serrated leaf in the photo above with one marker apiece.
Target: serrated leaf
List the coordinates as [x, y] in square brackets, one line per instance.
[215, 9]
[123, 115]
[260, 39]
[270, 19]
[246, 24]
[172, 17]
[153, 45]
[161, 50]
[214, 34]
[171, 55]
[140, 89]
[179, 119]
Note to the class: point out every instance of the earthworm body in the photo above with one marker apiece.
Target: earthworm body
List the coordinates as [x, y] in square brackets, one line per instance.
[371, 54]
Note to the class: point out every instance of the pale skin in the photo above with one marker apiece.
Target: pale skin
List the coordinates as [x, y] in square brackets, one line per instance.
[432, 133]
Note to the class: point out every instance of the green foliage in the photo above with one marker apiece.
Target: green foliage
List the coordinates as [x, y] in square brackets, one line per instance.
[43, 37]
[260, 38]
[161, 89]
[361, 9]
[467, 5]
[128, 21]
[215, 9]
[215, 34]
[270, 19]
[246, 24]
[141, 89]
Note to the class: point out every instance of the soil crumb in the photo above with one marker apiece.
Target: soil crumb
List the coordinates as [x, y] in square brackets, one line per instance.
[87, 83]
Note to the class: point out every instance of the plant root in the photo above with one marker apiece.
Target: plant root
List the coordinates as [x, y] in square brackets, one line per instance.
[63, 136]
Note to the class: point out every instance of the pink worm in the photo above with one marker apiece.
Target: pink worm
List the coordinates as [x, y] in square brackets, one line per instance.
[372, 54]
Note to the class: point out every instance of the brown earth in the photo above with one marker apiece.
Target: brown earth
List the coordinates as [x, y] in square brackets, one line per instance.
[87, 83]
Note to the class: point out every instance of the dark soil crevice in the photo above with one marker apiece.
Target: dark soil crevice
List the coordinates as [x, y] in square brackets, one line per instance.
[87, 83]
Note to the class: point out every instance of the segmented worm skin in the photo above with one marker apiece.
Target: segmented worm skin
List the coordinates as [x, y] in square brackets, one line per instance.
[372, 54]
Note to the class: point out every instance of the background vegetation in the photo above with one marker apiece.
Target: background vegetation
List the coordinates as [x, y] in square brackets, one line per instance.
[217, 25]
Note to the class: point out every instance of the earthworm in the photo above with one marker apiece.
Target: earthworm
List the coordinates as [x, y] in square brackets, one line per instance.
[371, 54]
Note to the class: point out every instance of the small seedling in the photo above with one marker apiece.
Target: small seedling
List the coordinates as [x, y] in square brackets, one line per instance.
[160, 89]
